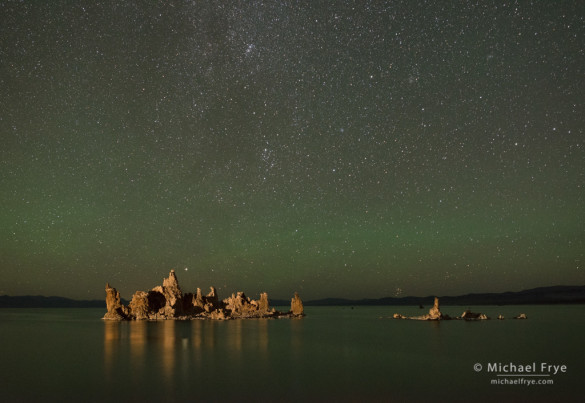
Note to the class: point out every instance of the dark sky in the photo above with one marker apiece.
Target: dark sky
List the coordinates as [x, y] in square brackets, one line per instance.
[339, 149]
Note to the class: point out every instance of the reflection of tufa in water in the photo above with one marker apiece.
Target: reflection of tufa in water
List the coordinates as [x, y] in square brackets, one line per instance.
[169, 302]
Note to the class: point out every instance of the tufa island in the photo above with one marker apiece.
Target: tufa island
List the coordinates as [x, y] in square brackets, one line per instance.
[436, 314]
[169, 302]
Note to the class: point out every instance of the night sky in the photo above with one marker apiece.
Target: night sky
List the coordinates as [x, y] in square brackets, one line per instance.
[339, 149]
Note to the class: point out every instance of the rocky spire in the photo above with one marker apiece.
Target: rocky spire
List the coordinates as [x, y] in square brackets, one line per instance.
[212, 293]
[173, 295]
[263, 305]
[116, 311]
[434, 312]
[296, 306]
[172, 283]
[198, 300]
[212, 298]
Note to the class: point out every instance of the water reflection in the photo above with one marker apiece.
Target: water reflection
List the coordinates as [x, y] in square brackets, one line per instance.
[111, 340]
[263, 335]
[168, 347]
[235, 339]
[296, 326]
[137, 343]
[196, 334]
[131, 347]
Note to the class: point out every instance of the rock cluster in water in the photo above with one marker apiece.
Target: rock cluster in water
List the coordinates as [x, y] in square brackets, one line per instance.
[169, 302]
[435, 314]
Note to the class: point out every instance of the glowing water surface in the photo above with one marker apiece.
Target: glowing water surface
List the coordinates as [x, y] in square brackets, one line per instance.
[333, 354]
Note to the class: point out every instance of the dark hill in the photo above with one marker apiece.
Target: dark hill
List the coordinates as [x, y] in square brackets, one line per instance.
[38, 301]
[534, 296]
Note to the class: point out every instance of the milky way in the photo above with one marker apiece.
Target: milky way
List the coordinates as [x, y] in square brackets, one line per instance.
[342, 150]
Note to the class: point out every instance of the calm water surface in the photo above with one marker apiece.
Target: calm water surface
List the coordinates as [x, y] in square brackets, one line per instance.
[333, 354]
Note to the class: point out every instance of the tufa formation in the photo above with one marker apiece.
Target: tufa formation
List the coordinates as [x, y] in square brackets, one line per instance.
[116, 311]
[435, 314]
[169, 302]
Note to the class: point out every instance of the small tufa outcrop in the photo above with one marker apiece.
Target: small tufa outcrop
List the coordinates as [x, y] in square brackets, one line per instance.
[263, 305]
[435, 312]
[168, 302]
[115, 309]
[468, 315]
[147, 305]
[240, 306]
[296, 306]
[139, 305]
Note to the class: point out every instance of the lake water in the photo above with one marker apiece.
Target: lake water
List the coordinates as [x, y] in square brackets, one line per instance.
[334, 354]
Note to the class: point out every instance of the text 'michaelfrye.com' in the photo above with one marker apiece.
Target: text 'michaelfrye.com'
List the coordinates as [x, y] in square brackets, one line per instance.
[526, 374]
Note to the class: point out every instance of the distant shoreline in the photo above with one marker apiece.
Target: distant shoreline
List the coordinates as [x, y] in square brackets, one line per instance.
[555, 295]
